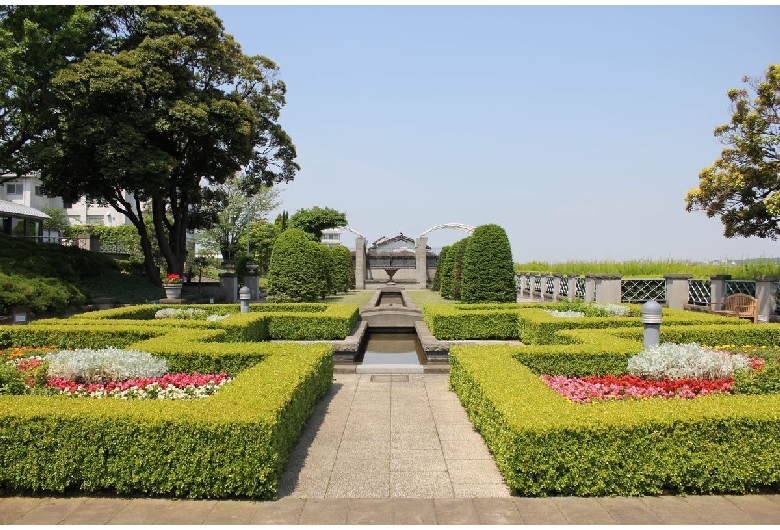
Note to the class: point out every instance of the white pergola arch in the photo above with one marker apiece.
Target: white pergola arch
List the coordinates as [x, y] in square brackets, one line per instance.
[351, 230]
[457, 226]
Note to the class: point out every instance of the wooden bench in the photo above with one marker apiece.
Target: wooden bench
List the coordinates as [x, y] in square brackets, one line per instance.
[738, 305]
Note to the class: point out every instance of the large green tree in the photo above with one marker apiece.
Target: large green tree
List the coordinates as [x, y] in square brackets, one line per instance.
[164, 109]
[742, 187]
[36, 42]
[314, 220]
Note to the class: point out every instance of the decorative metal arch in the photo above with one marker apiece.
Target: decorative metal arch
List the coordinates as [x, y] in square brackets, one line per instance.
[457, 226]
[351, 230]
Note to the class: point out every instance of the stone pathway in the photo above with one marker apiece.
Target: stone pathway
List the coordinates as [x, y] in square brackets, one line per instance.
[390, 436]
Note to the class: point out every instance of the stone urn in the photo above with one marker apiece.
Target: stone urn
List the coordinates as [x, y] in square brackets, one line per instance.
[172, 290]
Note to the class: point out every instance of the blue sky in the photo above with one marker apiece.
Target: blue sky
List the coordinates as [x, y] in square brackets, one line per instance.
[579, 129]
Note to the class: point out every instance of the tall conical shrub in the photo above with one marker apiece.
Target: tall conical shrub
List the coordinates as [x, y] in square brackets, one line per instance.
[342, 270]
[295, 273]
[436, 284]
[488, 269]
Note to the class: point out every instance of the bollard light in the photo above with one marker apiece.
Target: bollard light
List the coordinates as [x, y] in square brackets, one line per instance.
[651, 319]
[244, 295]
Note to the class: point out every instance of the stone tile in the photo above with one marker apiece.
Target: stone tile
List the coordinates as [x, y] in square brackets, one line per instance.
[13, 508]
[232, 512]
[465, 450]
[404, 428]
[284, 511]
[141, 511]
[673, 510]
[716, 509]
[50, 511]
[629, 510]
[366, 483]
[497, 511]
[324, 511]
[456, 511]
[303, 487]
[458, 431]
[414, 511]
[363, 450]
[539, 511]
[579, 510]
[417, 460]
[763, 509]
[420, 485]
[360, 465]
[481, 491]
[415, 440]
[370, 511]
[474, 472]
[96, 510]
[450, 416]
[186, 512]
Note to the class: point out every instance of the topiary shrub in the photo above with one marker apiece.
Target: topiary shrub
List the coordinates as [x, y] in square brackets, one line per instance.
[446, 264]
[295, 273]
[459, 251]
[325, 280]
[342, 270]
[436, 284]
[488, 270]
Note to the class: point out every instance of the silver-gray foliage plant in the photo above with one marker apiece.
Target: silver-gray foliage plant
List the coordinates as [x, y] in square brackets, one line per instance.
[189, 313]
[613, 309]
[104, 365]
[565, 314]
[685, 361]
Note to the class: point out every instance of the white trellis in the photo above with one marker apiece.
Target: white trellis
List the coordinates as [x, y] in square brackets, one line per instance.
[457, 226]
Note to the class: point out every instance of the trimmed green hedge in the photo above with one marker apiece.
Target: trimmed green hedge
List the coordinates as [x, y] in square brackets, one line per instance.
[306, 321]
[533, 325]
[234, 443]
[546, 445]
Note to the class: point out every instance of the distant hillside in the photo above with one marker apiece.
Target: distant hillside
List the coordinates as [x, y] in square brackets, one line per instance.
[49, 278]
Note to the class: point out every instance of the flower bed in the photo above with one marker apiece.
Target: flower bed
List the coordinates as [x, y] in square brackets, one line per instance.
[664, 371]
[100, 374]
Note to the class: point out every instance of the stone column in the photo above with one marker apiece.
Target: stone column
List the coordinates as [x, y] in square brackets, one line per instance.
[229, 283]
[677, 290]
[556, 287]
[608, 288]
[360, 263]
[572, 279]
[251, 281]
[765, 293]
[590, 288]
[421, 262]
[718, 290]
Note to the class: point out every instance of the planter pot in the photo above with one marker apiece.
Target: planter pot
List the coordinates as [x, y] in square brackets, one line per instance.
[172, 291]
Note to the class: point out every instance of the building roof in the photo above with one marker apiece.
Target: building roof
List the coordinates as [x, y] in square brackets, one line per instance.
[18, 210]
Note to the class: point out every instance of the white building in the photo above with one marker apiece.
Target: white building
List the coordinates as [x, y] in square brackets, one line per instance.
[26, 191]
[331, 237]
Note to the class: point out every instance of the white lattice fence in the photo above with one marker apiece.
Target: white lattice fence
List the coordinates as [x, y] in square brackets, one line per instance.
[634, 291]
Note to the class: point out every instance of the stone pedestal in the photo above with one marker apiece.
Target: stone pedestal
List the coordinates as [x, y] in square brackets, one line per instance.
[677, 290]
[421, 262]
[607, 287]
[229, 283]
[718, 290]
[360, 263]
[252, 282]
[765, 293]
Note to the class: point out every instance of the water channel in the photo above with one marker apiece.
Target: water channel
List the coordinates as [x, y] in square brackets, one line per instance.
[392, 346]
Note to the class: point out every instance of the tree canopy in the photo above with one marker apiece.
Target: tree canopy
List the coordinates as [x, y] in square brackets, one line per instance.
[314, 220]
[162, 108]
[742, 187]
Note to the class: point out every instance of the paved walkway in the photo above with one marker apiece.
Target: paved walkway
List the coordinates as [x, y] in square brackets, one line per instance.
[390, 436]
[392, 449]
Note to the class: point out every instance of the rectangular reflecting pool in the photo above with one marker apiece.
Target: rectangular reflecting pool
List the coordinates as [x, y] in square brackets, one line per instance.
[392, 347]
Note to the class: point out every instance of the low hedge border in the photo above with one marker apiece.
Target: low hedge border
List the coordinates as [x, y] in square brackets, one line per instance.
[234, 443]
[263, 322]
[546, 445]
[533, 325]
